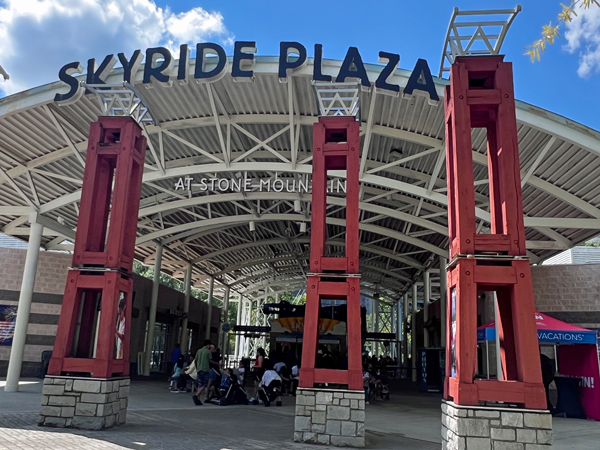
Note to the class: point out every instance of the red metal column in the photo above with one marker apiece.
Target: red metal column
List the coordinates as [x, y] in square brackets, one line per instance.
[336, 144]
[103, 255]
[481, 95]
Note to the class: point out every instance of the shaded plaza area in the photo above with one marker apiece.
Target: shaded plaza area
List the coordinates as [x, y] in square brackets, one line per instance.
[158, 419]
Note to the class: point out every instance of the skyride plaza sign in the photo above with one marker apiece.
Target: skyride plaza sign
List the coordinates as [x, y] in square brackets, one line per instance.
[212, 64]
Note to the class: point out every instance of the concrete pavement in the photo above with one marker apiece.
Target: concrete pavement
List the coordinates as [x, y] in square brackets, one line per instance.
[158, 419]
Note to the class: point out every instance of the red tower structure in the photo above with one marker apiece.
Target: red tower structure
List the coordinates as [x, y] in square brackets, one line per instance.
[481, 95]
[94, 326]
[336, 144]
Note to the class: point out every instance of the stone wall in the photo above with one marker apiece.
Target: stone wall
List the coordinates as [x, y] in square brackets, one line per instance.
[489, 428]
[51, 275]
[568, 292]
[45, 308]
[330, 417]
[85, 403]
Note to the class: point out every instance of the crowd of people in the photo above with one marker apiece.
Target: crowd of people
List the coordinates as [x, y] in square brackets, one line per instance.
[375, 377]
[267, 377]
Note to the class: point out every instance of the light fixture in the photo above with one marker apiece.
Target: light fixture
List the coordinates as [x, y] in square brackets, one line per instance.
[396, 153]
[252, 225]
[297, 206]
[376, 294]
[302, 227]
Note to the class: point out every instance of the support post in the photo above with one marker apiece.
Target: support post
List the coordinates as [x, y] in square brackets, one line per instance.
[238, 321]
[152, 313]
[443, 262]
[376, 311]
[393, 329]
[413, 340]
[481, 95]
[23, 309]
[224, 317]
[187, 289]
[405, 328]
[99, 288]
[209, 313]
[426, 298]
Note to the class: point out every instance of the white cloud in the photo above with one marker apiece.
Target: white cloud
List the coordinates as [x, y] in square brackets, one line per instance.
[37, 37]
[583, 35]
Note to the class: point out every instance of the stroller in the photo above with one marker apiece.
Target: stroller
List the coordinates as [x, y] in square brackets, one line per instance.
[271, 393]
[380, 388]
[233, 394]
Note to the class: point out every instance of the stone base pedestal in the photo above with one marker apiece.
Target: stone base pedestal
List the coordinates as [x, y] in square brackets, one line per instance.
[84, 403]
[494, 428]
[330, 417]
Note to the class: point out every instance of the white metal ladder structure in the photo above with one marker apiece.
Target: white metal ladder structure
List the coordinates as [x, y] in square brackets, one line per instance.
[475, 33]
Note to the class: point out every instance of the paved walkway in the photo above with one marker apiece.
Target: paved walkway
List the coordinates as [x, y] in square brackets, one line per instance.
[158, 419]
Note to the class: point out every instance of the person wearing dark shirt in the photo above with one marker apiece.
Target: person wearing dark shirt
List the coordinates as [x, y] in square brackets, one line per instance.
[214, 376]
[175, 354]
[547, 377]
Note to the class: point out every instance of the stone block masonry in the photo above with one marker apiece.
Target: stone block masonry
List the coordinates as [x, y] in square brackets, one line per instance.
[84, 403]
[330, 417]
[492, 428]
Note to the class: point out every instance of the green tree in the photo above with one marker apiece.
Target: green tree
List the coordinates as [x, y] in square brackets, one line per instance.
[173, 283]
[550, 31]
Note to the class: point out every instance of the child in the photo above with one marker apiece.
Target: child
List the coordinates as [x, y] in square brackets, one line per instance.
[240, 373]
[177, 370]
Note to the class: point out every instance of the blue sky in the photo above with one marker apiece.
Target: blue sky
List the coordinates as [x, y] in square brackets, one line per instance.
[69, 30]
[417, 30]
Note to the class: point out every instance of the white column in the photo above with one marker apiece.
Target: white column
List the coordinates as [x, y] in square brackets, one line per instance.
[261, 318]
[187, 288]
[443, 262]
[276, 316]
[405, 326]
[209, 314]
[224, 317]
[376, 329]
[246, 320]
[393, 329]
[426, 296]
[413, 345]
[238, 321]
[23, 309]
[152, 314]
[400, 328]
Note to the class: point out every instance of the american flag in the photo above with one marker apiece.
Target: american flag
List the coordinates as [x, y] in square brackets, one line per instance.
[8, 317]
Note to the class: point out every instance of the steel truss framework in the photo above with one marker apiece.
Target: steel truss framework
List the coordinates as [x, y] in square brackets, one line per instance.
[263, 129]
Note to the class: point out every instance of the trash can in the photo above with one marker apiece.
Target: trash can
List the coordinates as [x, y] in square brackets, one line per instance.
[46, 355]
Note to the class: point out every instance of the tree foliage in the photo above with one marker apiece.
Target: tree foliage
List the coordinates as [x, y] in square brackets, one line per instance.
[550, 31]
[169, 281]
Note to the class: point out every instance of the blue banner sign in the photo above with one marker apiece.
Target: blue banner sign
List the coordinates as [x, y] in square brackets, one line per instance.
[556, 336]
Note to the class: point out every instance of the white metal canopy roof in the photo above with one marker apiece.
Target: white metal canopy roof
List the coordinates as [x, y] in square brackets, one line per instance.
[264, 128]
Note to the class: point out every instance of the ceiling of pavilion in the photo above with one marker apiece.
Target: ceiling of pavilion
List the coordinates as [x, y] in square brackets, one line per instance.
[264, 129]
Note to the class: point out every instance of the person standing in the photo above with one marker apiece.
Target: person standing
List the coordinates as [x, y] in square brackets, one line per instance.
[202, 362]
[257, 372]
[215, 371]
[120, 330]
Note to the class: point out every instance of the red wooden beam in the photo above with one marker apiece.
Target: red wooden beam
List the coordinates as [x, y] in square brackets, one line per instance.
[481, 94]
[116, 151]
[336, 146]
